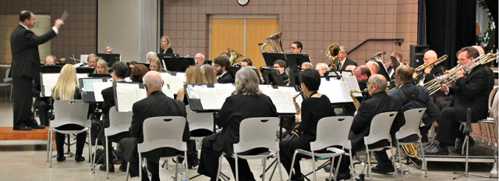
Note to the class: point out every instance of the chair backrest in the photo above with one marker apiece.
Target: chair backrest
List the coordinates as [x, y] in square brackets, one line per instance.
[161, 132]
[332, 131]
[199, 120]
[380, 127]
[492, 95]
[119, 122]
[7, 78]
[70, 112]
[257, 133]
[412, 121]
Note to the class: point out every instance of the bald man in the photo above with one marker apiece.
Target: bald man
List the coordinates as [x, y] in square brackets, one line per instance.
[50, 60]
[373, 67]
[431, 71]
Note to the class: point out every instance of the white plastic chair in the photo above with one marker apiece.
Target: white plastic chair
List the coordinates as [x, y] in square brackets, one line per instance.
[489, 121]
[163, 132]
[256, 133]
[119, 122]
[331, 131]
[68, 112]
[412, 121]
[6, 83]
[380, 130]
[199, 121]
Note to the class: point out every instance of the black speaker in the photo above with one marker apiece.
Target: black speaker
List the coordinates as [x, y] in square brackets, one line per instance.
[417, 54]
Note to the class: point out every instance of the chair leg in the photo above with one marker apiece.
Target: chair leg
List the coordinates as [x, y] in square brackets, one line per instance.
[351, 165]
[219, 166]
[264, 166]
[11, 93]
[292, 163]
[107, 158]
[313, 164]
[394, 162]
[128, 171]
[90, 148]
[48, 144]
[481, 131]
[237, 167]
[400, 156]
[488, 133]
[369, 164]
[279, 165]
[176, 168]
[424, 159]
[51, 147]
[140, 166]
[337, 168]
[186, 166]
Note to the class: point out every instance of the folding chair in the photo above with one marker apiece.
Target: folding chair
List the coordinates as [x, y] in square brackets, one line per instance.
[412, 121]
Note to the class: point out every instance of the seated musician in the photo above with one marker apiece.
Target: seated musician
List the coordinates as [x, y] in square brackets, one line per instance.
[66, 88]
[431, 72]
[208, 72]
[470, 91]
[151, 56]
[91, 60]
[221, 66]
[281, 66]
[119, 73]
[155, 65]
[101, 67]
[248, 102]
[378, 103]
[373, 67]
[362, 73]
[411, 99]
[322, 68]
[306, 65]
[138, 72]
[42, 103]
[395, 61]
[314, 108]
[156, 104]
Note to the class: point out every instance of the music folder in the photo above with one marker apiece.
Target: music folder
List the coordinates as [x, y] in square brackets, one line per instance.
[127, 93]
[282, 97]
[48, 81]
[338, 90]
[208, 97]
[91, 88]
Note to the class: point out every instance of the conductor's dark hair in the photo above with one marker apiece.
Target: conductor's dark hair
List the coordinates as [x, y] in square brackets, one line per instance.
[120, 69]
[223, 62]
[298, 44]
[250, 63]
[24, 15]
[311, 79]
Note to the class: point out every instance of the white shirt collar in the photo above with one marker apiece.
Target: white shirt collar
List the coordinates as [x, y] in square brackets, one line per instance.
[24, 26]
[220, 76]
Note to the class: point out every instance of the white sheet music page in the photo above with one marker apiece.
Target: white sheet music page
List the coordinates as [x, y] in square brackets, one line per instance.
[98, 87]
[281, 99]
[49, 81]
[88, 84]
[167, 91]
[353, 84]
[336, 90]
[78, 76]
[127, 96]
[141, 94]
[208, 98]
[223, 91]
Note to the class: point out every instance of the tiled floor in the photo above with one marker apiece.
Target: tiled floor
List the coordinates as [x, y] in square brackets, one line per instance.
[29, 163]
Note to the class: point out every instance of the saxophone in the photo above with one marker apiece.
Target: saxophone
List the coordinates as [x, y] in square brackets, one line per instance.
[356, 102]
[296, 132]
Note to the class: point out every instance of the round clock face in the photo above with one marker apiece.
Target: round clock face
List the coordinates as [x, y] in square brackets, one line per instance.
[243, 2]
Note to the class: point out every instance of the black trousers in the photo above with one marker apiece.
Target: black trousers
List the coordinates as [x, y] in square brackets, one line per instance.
[382, 158]
[43, 106]
[208, 164]
[287, 149]
[115, 138]
[448, 125]
[21, 91]
[80, 139]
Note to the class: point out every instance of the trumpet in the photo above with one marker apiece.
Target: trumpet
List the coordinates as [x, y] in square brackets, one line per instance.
[421, 68]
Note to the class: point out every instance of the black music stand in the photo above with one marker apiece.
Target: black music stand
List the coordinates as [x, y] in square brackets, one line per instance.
[85, 70]
[294, 61]
[110, 58]
[270, 58]
[178, 64]
[51, 69]
[232, 71]
[88, 96]
[271, 76]
[99, 75]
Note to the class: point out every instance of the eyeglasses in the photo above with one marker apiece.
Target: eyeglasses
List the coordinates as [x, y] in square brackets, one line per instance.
[292, 48]
[216, 65]
[275, 67]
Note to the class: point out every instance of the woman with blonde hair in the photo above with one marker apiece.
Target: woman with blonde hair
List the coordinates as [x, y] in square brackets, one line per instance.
[155, 65]
[101, 67]
[208, 72]
[66, 88]
[165, 45]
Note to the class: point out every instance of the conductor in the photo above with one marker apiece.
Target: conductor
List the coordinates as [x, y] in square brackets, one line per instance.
[26, 67]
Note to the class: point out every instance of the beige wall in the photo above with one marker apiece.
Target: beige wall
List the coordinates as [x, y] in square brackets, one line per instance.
[316, 23]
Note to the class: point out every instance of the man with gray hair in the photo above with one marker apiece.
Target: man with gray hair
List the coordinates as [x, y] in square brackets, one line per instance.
[344, 61]
[378, 103]
[156, 104]
[306, 65]
[322, 68]
[150, 56]
[108, 50]
[201, 60]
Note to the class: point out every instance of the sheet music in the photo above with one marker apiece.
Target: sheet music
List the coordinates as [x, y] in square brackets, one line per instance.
[141, 94]
[282, 98]
[78, 76]
[175, 82]
[353, 84]
[167, 91]
[88, 84]
[223, 91]
[98, 87]
[49, 81]
[208, 97]
[346, 73]
[84, 58]
[126, 95]
[336, 90]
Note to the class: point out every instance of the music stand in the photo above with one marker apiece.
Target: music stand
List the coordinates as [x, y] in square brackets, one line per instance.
[294, 61]
[271, 76]
[270, 58]
[100, 75]
[85, 70]
[232, 71]
[110, 58]
[51, 69]
[87, 94]
[178, 64]
[294, 77]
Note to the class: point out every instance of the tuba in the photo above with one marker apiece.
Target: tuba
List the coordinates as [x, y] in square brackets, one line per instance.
[332, 53]
[275, 42]
[233, 56]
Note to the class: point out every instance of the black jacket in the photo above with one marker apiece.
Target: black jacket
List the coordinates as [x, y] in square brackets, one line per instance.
[226, 78]
[423, 100]
[168, 51]
[473, 91]
[378, 103]
[347, 63]
[25, 56]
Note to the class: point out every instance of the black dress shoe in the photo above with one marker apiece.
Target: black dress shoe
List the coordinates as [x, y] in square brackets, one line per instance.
[79, 158]
[459, 147]
[341, 176]
[37, 127]
[61, 158]
[22, 128]
[103, 168]
[424, 139]
[438, 150]
[33, 124]
[382, 170]
[298, 179]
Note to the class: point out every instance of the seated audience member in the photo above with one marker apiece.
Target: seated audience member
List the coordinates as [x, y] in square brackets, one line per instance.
[315, 107]
[378, 103]
[165, 45]
[156, 104]
[155, 65]
[138, 72]
[108, 50]
[66, 88]
[209, 73]
[281, 66]
[306, 65]
[322, 68]
[221, 66]
[248, 102]
[92, 60]
[120, 71]
[151, 56]
[101, 67]
[50, 60]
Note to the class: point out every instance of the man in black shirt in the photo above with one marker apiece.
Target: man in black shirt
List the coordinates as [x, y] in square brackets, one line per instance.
[281, 66]
[220, 65]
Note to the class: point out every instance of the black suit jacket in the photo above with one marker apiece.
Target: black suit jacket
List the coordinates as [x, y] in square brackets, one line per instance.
[226, 78]
[235, 109]
[422, 101]
[473, 91]
[378, 103]
[347, 63]
[108, 96]
[168, 51]
[25, 56]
